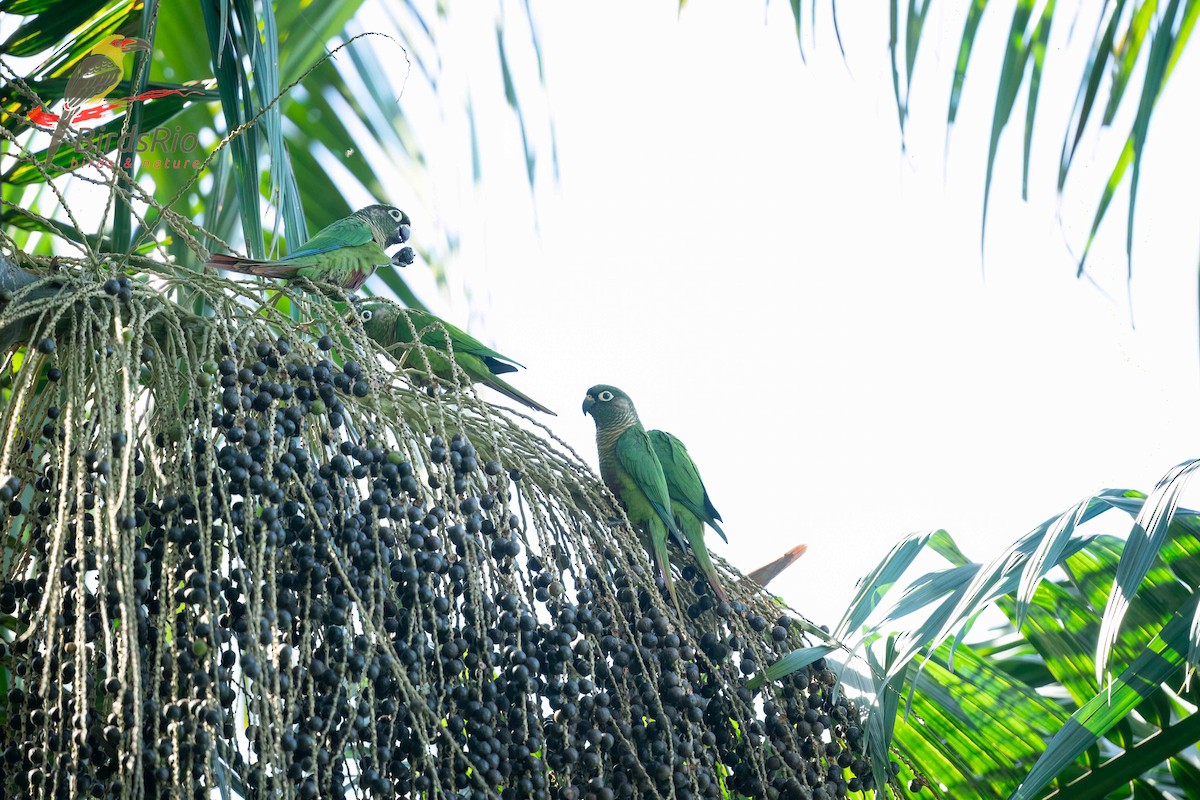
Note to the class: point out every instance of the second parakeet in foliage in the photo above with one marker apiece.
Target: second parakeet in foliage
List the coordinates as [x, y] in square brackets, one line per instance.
[689, 502]
[631, 470]
[392, 327]
[344, 253]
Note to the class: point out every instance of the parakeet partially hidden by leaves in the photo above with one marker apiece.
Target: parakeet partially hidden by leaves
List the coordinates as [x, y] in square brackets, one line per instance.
[344, 253]
[393, 327]
[689, 502]
[631, 470]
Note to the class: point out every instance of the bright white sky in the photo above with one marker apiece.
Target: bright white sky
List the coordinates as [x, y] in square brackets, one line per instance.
[738, 241]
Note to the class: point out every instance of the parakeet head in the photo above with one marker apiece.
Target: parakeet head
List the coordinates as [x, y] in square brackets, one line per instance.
[609, 406]
[389, 224]
[377, 317]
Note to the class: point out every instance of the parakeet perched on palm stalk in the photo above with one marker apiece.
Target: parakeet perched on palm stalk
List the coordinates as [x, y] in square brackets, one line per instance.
[344, 253]
[631, 470]
[96, 74]
[689, 502]
[393, 328]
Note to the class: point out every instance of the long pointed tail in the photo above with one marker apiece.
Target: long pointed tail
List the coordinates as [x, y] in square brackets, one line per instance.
[513, 394]
[700, 553]
[60, 130]
[249, 266]
[658, 536]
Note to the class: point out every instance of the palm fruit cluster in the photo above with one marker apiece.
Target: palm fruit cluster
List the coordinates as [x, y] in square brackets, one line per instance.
[253, 561]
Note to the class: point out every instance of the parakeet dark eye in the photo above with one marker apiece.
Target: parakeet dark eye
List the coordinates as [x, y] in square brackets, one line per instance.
[395, 212]
[605, 396]
[366, 315]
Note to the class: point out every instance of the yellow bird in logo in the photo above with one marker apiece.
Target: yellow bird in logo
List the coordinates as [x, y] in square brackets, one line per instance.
[93, 77]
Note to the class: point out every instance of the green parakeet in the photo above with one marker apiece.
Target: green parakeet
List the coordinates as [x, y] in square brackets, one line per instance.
[345, 253]
[631, 470]
[689, 501]
[392, 327]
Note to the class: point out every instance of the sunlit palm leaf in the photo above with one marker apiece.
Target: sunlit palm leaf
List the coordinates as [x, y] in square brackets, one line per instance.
[1048, 552]
[115, 17]
[48, 25]
[979, 584]
[1129, 34]
[1062, 630]
[796, 660]
[1187, 777]
[304, 29]
[1012, 73]
[1162, 657]
[1088, 89]
[1126, 56]
[1156, 72]
[956, 720]
[237, 104]
[965, 48]
[918, 11]
[1140, 554]
[265, 60]
[1040, 36]
[875, 585]
[798, 16]
[975, 728]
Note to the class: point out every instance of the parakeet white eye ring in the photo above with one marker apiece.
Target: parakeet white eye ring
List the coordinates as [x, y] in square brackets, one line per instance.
[606, 395]
[366, 315]
[395, 213]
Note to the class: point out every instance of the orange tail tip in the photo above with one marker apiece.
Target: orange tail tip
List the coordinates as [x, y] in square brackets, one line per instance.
[768, 572]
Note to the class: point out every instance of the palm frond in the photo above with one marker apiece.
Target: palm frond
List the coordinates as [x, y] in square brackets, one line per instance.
[1130, 35]
[977, 713]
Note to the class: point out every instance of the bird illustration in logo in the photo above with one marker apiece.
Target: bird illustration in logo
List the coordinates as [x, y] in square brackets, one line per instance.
[94, 76]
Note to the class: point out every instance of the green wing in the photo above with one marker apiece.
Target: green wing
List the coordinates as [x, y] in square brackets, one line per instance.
[387, 325]
[480, 362]
[683, 479]
[636, 456]
[346, 232]
[460, 340]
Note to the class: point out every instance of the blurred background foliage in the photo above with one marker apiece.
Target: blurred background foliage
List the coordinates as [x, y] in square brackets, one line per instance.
[331, 134]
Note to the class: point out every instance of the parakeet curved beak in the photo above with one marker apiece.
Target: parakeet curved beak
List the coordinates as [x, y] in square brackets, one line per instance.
[588, 402]
[129, 45]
